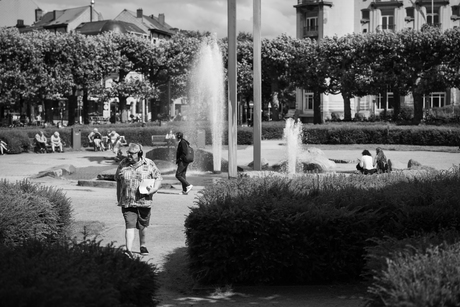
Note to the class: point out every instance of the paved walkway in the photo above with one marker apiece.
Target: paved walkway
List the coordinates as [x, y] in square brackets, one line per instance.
[95, 208]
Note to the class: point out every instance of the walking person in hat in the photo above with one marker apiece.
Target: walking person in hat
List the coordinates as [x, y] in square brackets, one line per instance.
[181, 172]
[138, 179]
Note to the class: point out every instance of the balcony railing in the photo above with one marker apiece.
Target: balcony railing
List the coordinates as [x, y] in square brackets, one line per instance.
[310, 31]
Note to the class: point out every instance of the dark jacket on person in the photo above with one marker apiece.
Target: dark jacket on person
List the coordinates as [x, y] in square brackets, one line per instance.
[181, 150]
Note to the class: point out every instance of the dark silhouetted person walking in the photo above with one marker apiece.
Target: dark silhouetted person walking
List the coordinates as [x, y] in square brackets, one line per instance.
[181, 173]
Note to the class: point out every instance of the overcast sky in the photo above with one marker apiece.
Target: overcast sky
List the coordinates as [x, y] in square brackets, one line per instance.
[278, 16]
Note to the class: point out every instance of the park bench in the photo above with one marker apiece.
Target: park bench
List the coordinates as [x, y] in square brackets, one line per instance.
[33, 144]
[160, 140]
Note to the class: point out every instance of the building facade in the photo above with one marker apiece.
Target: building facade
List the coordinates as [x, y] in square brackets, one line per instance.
[317, 19]
[156, 27]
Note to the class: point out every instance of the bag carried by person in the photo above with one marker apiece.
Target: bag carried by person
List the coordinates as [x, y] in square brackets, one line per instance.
[189, 155]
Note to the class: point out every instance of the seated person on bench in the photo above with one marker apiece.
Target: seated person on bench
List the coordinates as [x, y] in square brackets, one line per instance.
[40, 142]
[95, 138]
[56, 142]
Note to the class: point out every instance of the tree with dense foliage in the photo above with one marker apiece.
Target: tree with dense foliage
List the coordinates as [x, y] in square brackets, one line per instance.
[277, 55]
[135, 56]
[170, 62]
[309, 72]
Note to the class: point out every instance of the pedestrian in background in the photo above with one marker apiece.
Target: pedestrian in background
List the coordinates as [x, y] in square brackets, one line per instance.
[181, 172]
[134, 198]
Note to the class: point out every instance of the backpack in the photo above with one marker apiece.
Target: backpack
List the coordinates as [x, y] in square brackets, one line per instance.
[189, 155]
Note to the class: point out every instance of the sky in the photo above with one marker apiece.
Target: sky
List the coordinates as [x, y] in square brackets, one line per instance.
[278, 16]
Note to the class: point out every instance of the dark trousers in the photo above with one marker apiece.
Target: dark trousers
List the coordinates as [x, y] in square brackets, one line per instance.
[181, 174]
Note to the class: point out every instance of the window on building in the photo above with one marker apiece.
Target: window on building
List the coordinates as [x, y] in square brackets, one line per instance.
[388, 20]
[311, 23]
[410, 12]
[432, 15]
[381, 103]
[308, 105]
[434, 100]
[365, 14]
[456, 10]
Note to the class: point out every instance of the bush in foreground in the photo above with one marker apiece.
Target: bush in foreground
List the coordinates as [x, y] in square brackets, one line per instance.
[37, 273]
[426, 279]
[29, 210]
[312, 228]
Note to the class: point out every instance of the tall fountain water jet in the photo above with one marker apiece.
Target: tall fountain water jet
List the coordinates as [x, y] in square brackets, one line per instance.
[293, 136]
[207, 99]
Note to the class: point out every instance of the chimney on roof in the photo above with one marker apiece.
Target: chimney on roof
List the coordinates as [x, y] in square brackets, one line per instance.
[140, 13]
[161, 18]
[38, 14]
[20, 23]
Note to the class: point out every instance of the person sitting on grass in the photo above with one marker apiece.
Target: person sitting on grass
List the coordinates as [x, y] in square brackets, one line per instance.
[380, 162]
[365, 165]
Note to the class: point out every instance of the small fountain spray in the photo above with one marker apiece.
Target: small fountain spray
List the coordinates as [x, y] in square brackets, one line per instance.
[293, 136]
[207, 99]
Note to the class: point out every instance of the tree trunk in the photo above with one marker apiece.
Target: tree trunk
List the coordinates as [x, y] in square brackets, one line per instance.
[85, 107]
[48, 104]
[385, 100]
[396, 104]
[72, 105]
[275, 102]
[418, 107]
[121, 106]
[317, 116]
[346, 107]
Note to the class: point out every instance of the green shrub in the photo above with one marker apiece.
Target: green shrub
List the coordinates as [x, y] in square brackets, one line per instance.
[312, 227]
[430, 279]
[16, 140]
[32, 211]
[37, 273]
[390, 247]
[359, 132]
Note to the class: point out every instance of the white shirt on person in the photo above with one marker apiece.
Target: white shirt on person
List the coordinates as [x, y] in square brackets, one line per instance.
[366, 162]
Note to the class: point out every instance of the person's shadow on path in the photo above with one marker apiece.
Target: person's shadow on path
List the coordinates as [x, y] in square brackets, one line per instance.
[101, 160]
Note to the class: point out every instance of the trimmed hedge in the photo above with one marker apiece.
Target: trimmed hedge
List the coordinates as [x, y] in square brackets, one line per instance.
[329, 133]
[37, 273]
[30, 210]
[311, 228]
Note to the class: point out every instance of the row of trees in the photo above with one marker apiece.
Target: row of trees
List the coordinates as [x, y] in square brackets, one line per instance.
[39, 65]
